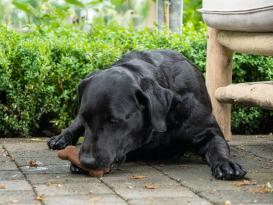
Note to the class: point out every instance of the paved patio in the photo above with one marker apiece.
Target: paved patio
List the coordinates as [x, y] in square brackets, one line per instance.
[179, 181]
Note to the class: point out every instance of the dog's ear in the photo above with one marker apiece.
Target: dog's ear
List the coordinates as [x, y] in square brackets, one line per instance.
[83, 84]
[158, 101]
[81, 88]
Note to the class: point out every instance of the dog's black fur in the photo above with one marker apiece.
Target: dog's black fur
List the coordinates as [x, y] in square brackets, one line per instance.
[147, 100]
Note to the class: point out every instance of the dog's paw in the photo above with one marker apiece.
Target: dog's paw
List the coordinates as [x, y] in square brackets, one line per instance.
[228, 170]
[59, 142]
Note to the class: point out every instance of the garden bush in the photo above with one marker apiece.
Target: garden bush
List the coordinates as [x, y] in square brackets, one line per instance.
[40, 69]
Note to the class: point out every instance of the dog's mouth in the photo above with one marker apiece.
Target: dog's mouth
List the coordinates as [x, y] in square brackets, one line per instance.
[118, 162]
[99, 172]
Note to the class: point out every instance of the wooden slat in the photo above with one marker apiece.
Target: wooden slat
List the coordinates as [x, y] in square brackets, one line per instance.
[249, 43]
[252, 94]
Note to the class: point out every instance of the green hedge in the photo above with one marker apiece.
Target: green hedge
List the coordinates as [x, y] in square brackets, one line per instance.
[40, 69]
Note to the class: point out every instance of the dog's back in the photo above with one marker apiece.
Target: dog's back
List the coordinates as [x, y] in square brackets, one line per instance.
[170, 69]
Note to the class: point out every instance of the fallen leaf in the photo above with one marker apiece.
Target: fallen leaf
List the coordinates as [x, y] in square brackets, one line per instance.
[14, 200]
[242, 147]
[151, 186]
[40, 197]
[254, 183]
[94, 199]
[32, 163]
[263, 189]
[4, 154]
[2, 186]
[138, 177]
[227, 202]
[149, 200]
[59, 185]
[48, 183]
[242, 183]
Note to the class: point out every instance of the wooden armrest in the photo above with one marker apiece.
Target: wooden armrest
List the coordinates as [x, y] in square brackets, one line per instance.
[258, 94]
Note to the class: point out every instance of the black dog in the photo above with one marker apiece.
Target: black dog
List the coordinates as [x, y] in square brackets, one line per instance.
[144, 101]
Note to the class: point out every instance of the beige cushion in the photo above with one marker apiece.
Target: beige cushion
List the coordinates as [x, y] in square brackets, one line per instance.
[239, 15]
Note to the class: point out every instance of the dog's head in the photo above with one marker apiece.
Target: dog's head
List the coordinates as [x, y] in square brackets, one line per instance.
[119, 113]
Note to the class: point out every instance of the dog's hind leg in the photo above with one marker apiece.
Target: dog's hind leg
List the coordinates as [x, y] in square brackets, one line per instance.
[69, 136]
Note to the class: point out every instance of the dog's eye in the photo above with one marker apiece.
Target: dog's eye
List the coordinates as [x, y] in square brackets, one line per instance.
[130, 115]
[114, 121]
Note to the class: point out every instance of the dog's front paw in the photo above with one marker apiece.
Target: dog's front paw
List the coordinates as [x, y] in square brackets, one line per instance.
[59, 142]
[228, 170]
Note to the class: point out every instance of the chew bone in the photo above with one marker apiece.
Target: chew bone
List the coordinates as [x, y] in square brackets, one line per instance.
[72, 154]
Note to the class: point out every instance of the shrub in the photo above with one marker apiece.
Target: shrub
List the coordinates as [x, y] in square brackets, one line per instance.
[40, 69]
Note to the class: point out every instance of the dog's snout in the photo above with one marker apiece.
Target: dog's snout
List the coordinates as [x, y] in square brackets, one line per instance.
[88, 161]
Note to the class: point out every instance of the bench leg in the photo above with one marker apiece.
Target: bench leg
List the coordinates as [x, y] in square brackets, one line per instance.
[219, 74]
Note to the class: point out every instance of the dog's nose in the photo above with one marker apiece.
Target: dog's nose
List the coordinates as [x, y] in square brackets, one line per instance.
[88, 161]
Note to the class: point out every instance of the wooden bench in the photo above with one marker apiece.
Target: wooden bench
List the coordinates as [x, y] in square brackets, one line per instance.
[221, 45]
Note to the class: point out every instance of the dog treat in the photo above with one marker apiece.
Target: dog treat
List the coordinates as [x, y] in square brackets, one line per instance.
[72, 154]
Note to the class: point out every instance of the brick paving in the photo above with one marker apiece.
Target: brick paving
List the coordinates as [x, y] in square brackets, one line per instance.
[186, 180]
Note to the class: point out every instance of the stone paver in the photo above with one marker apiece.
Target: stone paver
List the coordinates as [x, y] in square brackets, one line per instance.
[72, 189]
[171, 201]
[60, 178]
[50, 169]
[11, 175]
[251, 162]
[91, 199]
[15, 185]
[18, 197]
[263, 151]
[185, 180]
[8, 165]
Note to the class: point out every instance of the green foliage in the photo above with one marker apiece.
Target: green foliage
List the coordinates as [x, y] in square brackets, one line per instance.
[20, 14]
[190, 13]
[250, 68]
[75, 2]
[40, 70]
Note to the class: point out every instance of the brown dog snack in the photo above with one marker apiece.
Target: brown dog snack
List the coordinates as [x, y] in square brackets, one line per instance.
[72, 154]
